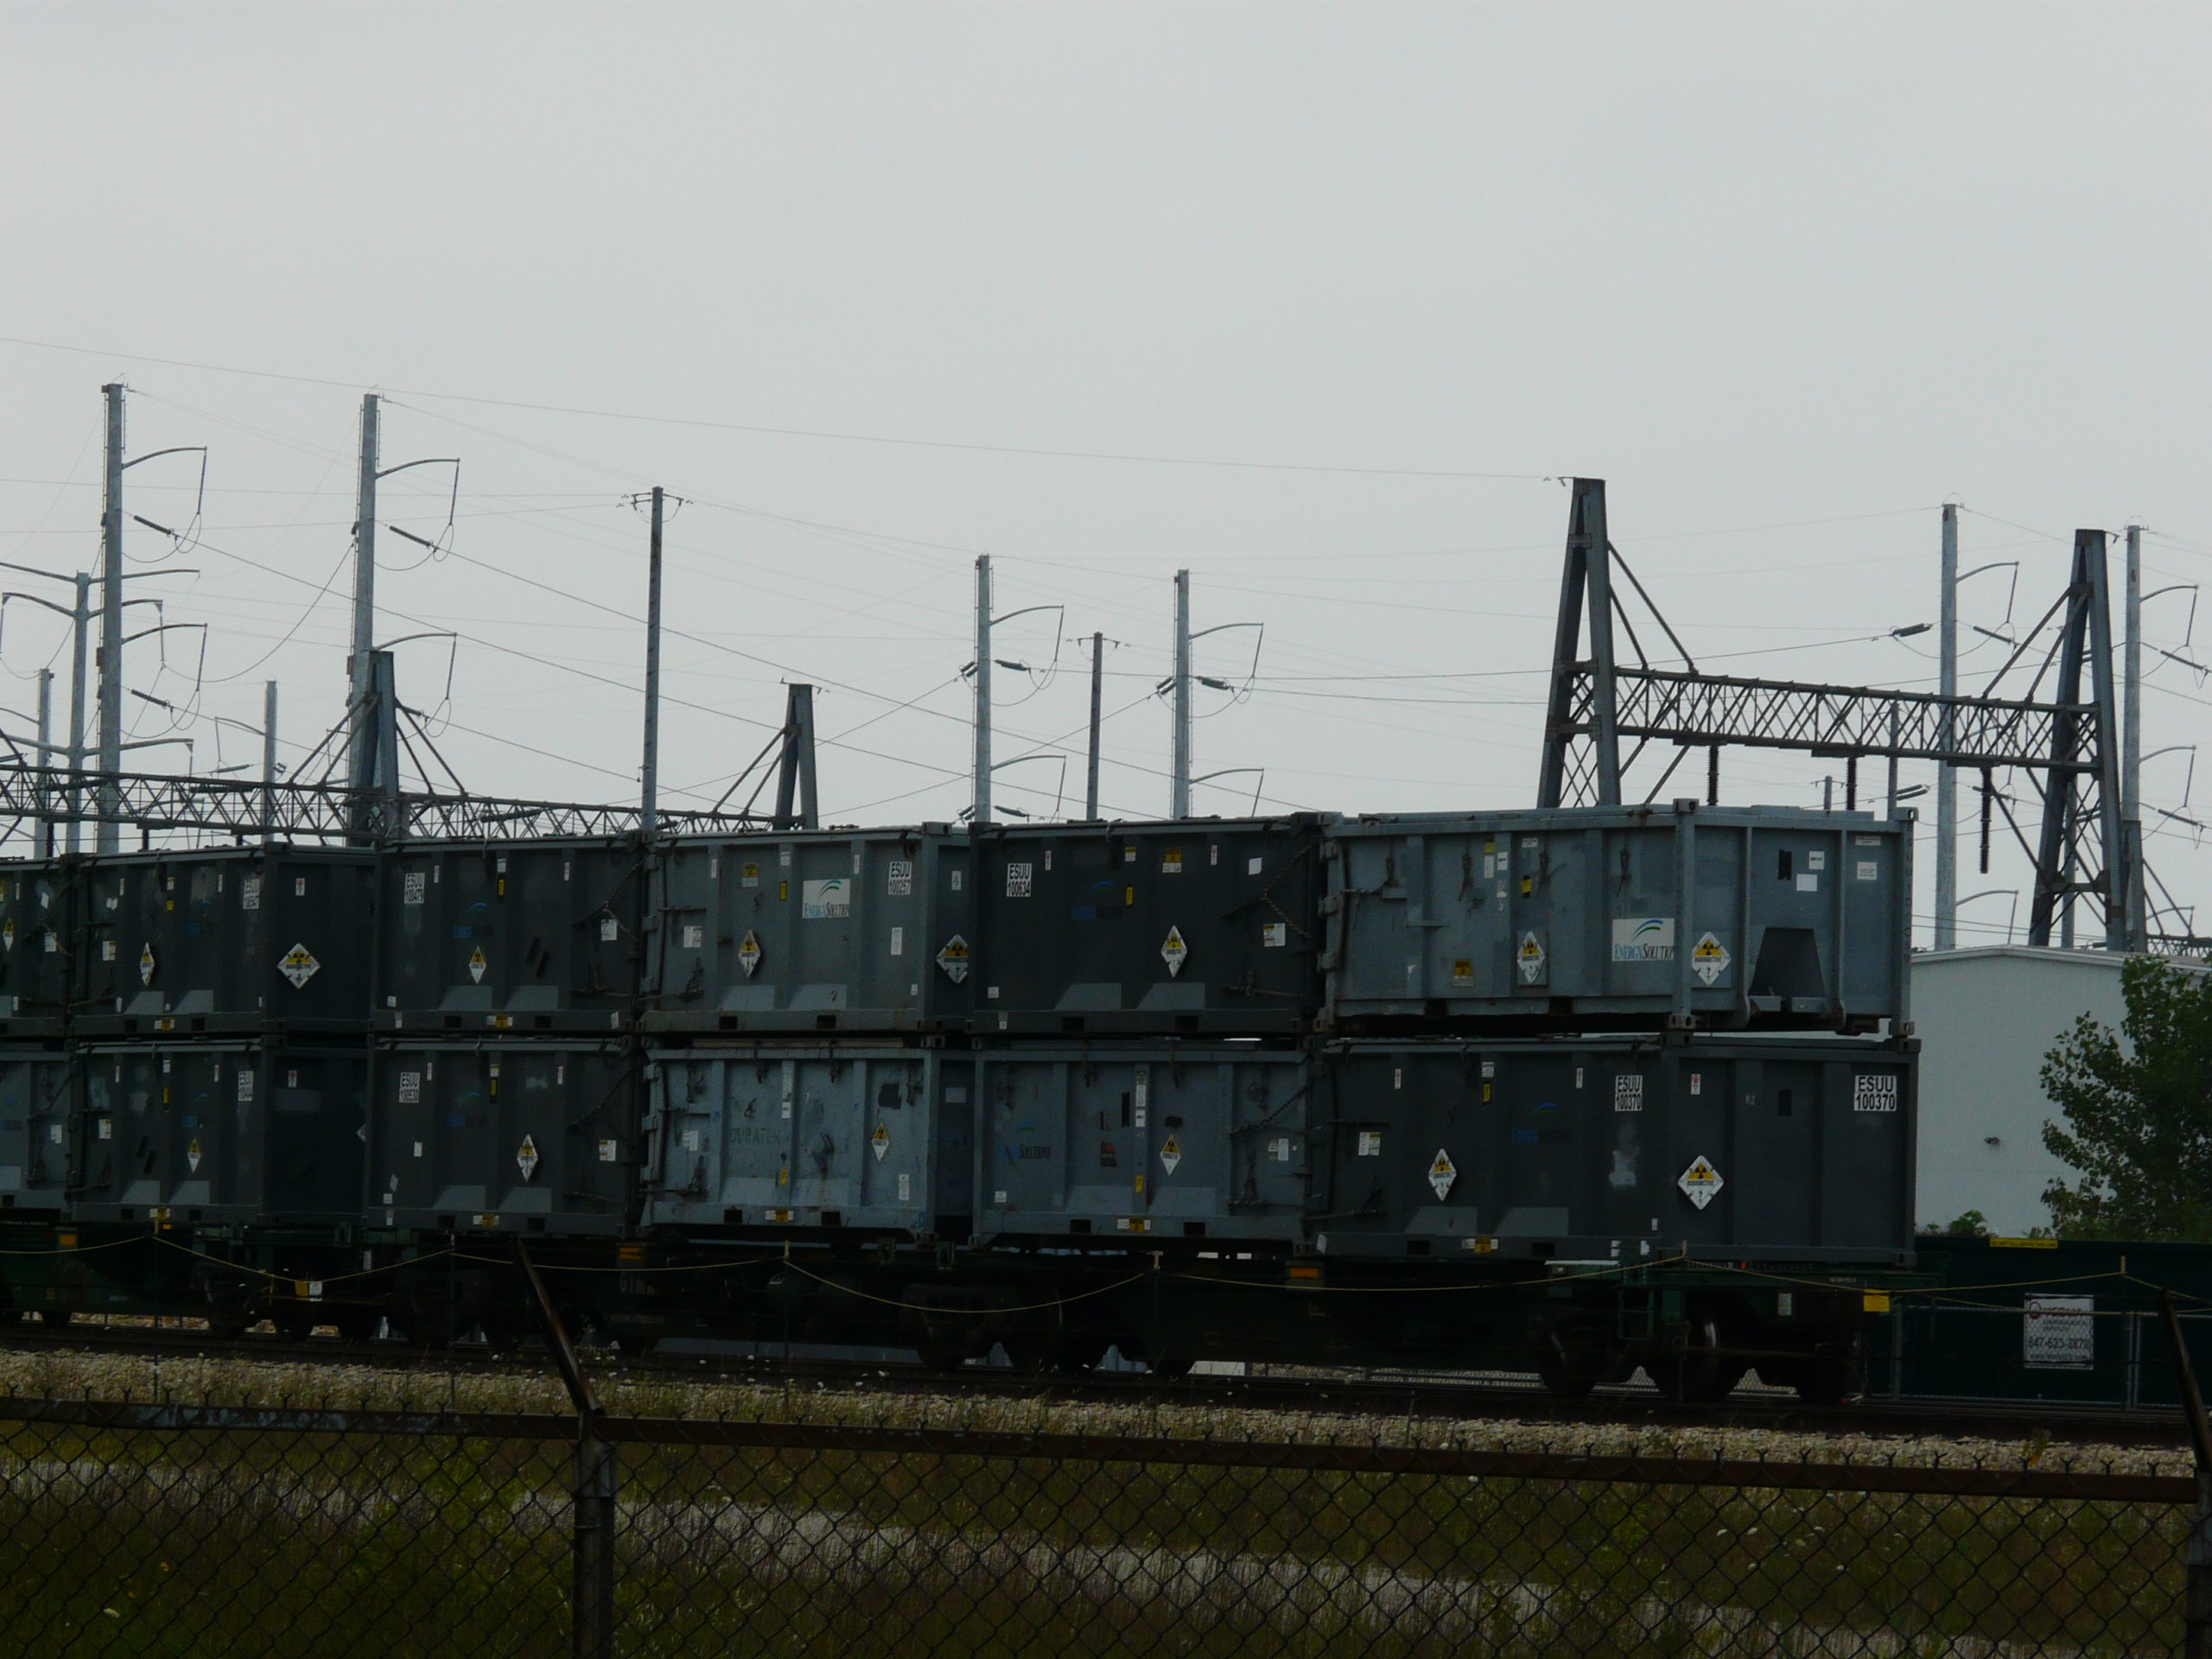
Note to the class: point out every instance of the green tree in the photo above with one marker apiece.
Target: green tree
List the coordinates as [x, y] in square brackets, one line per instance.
[2138, 1107]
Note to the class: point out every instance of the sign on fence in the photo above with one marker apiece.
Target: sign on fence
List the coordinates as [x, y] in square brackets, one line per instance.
[2059, 1333]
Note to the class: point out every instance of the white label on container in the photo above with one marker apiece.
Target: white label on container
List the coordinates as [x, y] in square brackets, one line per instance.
[1697, 1083]
[245, 1086]
[1490, 1068]
[1816, 860]
[1628, 1094]
[784, 856]
[695, 935]
[1140, 1093]
[299, 887]
[898, 941]
[998, 1198]
[1279, 1149]
[958, 875]
[1874, 1092]
[1171, 861]
[107, 1128]
[901, 883]
[1273, 936]
[107, 949]
[1643, 938]
[1807, 882]
[690, 1140]
[410, 1088]
[1251, 867]
[1020, 879]
[609, 929]
[1700, 1182]
[1370, 1143]
[1442, 1172]
[610, 1151]
[906, 1187]
[1868, 869]
[249, 894]
[748, 876]
[825, 900]
[2059, 1333]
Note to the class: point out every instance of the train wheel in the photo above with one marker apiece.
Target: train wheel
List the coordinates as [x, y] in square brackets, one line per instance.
[1562, 1378]
[1700, 1373]
[1827, 1381]
[293, 1324]
[1171, 1366]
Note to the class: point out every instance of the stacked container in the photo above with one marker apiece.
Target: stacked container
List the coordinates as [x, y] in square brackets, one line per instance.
[218, 1018]
[504, 1092]
[808, 994]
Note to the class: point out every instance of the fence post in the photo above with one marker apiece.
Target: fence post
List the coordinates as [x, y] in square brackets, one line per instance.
[591, 1607]
[2196, 1602]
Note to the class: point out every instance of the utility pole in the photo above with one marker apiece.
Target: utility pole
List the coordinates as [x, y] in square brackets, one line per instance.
[269, 760]
[1097, 677]
[111, 692]
[360, 671]
[1178, 796]
[980, 811]
[81, 622]
[2130, 754]
[1947, 781]
[649, 796]
[45, 756]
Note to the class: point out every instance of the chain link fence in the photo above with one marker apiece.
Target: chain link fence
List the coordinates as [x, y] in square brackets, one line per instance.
[166, 1529]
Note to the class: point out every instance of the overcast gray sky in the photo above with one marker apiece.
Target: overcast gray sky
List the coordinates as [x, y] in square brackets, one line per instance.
[1787, 276]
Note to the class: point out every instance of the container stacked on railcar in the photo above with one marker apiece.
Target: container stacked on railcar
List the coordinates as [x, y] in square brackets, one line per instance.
[808, 1069]
[217, 1013]
[506, 1092]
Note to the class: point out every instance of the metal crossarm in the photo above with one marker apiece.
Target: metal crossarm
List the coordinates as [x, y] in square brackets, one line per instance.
[324, 811]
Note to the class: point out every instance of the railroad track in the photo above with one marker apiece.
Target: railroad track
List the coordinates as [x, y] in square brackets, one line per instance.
[1414, 1396]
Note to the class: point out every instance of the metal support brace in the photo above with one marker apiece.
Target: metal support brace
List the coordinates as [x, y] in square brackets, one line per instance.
[598, 1473]
[2196, 1598]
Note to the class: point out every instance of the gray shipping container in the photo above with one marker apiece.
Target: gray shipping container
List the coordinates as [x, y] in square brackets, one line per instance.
[36, 1094]
[861, 1135]
[219, 1132]
[1609, 918]
[233, 939]
[1205, 927]
[537, 936]
[1749, 1149]
[1186, 1140]
[38, 901]
[859, 932]
[504, 1137]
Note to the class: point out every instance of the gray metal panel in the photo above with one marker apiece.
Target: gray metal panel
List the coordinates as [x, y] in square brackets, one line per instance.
[1129, 1139]
[1205, 927]
[815, 931]
[36, 1095]
[215, 941]
[520, 936]
[1623, 917]
[515, 1136]
[1575, 1150]
[218, 1132]
[38, 905]
[861, 1135]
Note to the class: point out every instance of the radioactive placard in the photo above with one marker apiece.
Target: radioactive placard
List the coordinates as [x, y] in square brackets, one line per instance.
[299, 965]
[146, 964]
[1530, 960]
[1700, 1181]
[1442, 1172]
[1174, 952]
[526, 1157]
[192, 1155]
[1709, 959]
[1170, 1154]
[477, 965]
[748, 953]
[881, 1140]
[954, 959]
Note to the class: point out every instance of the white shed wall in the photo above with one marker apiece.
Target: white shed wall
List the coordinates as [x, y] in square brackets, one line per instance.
[1986, 1019]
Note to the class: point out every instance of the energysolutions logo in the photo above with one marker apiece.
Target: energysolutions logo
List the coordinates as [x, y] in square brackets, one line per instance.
[1643, 938]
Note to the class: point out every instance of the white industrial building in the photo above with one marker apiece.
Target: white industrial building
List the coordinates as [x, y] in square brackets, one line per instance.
[1987, 1017]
